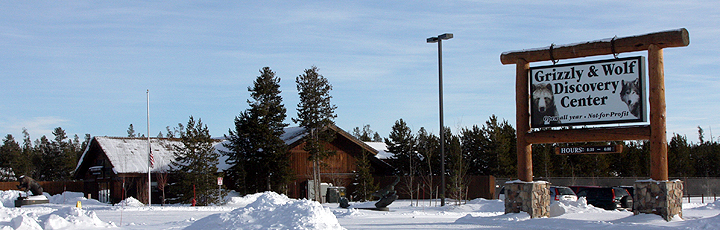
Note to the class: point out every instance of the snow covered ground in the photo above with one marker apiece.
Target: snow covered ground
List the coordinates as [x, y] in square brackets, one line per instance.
[273, 211]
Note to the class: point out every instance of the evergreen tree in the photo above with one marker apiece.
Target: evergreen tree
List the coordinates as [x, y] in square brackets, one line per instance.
[258, 157]
[377, 138]
[364, 183]
[472, 145]
[401, 143]
[456, 165]
[47, 160]
[195, 165]
[635, 154]
[494, 153]
[679, 157]
[428, 146]
[131, 131]
[10, 156]
[366, 134]
[30, 156]
[63, 147]
[315, 113]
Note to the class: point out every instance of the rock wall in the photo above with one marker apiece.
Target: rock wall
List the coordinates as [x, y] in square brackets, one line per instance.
[659, 197]
[530, 197]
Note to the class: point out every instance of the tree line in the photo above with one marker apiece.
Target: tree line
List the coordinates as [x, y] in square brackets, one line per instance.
[490, 149]
[44, 159]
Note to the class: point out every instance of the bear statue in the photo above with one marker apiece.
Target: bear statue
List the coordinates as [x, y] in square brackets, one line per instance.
[28, 184]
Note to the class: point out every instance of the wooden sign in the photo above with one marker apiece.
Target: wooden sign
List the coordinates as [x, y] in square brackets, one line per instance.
[597, 92]
[588, 150]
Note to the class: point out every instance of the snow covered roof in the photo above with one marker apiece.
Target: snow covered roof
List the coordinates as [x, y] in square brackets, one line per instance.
[130, 155]
[292, 134]
[382, 149]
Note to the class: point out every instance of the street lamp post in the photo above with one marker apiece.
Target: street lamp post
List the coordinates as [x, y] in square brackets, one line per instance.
[439, 39]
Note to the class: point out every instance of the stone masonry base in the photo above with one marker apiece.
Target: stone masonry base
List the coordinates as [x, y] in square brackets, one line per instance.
[659, 197]
[530, 197]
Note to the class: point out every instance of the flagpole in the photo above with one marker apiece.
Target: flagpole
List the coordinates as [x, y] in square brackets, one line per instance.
[149, 149]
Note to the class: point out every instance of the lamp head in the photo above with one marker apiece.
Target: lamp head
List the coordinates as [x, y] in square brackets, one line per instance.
[444, 36]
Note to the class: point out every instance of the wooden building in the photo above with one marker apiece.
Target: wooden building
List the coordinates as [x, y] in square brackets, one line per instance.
[113, 168]
[340, 167]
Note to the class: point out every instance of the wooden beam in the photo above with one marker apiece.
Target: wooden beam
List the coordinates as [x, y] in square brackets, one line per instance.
[658, 136]
[522, 121]
[663, 39]
[589, 135]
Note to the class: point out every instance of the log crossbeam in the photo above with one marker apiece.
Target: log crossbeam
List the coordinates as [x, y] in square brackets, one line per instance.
[664, 39]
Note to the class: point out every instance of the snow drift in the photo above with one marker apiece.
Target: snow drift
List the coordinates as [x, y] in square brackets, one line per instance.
[270, 210]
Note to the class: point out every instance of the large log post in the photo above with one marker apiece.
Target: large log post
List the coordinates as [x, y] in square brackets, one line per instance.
[522, 120]
[658, 135]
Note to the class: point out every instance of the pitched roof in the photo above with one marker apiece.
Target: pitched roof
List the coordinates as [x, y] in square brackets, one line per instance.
[382, 149]
[130, 155]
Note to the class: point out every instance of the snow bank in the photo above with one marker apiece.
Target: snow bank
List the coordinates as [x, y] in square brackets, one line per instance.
[72, 198]
[72, 218]
[130, 202]
[63, 218]
[270, 210]
[243, 201]
[8, 197]
[23, 222]
[568, 206]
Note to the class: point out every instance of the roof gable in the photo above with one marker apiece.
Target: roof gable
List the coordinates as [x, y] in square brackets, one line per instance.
[130, 155]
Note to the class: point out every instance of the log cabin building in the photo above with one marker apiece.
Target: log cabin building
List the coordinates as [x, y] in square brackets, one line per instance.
[113, 168]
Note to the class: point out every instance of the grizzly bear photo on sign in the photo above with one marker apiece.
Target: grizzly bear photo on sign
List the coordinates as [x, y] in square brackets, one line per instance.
[543, 105]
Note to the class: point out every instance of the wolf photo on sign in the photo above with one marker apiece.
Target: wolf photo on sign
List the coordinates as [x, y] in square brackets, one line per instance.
[588, 93]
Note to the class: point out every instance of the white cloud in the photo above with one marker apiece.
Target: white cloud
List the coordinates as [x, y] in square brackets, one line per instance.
[36, 127]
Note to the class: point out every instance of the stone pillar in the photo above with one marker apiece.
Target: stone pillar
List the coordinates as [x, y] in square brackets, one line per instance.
[530, 197]
[663, 198]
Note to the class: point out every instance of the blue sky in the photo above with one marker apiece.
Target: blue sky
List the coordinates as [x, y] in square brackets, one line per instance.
[85, 65]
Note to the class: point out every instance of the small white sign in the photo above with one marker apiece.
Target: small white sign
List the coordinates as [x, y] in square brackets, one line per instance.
[220, 180]
[598, 92]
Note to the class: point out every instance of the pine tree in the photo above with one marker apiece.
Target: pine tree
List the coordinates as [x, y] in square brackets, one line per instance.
[456, 165]
[472, 145]
[366, 134]
[315, 113]
[30, 156]
[19, 162]
[428, 146]
[364, 182]
[258, 157]
[401, 143]
[195, 165]
[63, 147]
[45, 160]
[131, 131]
[10, 156]
[500, 146]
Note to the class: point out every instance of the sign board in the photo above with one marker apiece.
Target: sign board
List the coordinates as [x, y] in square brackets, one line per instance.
[220, 180]
[588, 149]
[586, 93]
